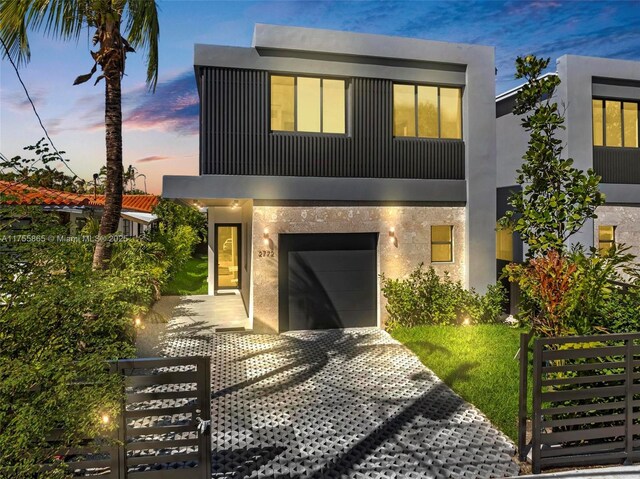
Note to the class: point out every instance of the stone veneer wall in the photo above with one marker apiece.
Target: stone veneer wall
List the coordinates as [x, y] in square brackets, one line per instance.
[413, 231]
[626, 219]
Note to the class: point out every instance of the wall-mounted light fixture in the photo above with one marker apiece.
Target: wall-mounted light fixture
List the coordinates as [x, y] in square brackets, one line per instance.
[393, 239]
[265, 237]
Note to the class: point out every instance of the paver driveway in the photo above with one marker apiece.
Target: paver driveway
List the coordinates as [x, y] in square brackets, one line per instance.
[338, 403]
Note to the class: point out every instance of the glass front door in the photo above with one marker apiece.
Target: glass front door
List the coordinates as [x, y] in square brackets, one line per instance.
[228, 252]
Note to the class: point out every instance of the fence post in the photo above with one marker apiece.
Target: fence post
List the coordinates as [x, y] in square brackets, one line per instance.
[628, 423]
[522, 400]
[204, 374]
[536, 415]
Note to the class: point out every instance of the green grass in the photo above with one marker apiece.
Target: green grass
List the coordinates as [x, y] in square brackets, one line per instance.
[191, 279]
[477, 362]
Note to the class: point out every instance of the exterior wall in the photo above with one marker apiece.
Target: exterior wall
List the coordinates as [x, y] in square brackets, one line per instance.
[246, 216]
[510, 147]
[582, 78]
[236, 138]
[412, 228]
[626, 219]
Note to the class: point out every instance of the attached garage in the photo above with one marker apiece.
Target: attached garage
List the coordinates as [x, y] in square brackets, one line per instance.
[327, 281]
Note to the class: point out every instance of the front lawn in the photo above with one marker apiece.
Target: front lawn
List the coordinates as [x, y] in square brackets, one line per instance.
[477, 362]
[191, 279]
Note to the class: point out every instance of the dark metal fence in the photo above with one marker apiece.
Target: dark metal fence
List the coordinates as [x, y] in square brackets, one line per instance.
[586, 400]
[163, 432]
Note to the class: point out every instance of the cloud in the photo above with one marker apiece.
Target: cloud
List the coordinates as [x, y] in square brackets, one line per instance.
[149, 159]
[18, 102]
[173, 107]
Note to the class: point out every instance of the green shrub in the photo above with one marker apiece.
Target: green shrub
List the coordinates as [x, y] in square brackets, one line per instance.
[426, 298]
[579, 293]
[60, 322]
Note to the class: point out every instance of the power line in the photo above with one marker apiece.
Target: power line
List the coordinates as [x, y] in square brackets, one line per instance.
[24, 87]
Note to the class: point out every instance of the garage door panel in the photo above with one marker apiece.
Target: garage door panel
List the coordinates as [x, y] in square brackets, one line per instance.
[340, 301]
[329, 288]
[341, 260]
[352, 300]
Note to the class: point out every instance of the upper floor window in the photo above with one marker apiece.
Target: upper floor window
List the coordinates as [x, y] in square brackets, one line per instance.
[615, 123]
[427, 111]
[306, 104]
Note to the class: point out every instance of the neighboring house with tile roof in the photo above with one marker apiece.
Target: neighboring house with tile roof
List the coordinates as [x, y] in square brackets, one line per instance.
[75, 209]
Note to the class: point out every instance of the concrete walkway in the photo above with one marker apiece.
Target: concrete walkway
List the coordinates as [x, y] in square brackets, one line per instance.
[336, 404]
[174, 316]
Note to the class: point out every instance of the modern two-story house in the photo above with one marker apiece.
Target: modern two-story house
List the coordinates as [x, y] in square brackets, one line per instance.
[600, 98]
[329, 158]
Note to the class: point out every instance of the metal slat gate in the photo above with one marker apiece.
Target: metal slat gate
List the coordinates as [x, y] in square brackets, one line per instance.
[164, 430]
[586, 400]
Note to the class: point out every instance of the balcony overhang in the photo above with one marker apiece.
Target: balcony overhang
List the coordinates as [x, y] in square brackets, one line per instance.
[321, 189]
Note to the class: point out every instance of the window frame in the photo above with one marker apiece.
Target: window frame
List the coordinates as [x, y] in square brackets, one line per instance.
[296, 132]
[126, 227]
[622, 101]
[450, 243]
[416, 112]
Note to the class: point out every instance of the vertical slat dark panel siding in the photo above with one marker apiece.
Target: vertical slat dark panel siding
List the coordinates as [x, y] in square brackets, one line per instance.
[617, 165]
[236, 140]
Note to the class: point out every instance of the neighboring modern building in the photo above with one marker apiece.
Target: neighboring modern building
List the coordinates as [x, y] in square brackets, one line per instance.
[76, 209]
[328, 158]
[600, 99]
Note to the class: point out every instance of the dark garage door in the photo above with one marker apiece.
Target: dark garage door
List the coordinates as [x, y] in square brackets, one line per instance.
[327, 281]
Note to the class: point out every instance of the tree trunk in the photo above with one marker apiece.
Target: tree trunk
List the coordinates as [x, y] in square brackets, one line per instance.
[113, 187]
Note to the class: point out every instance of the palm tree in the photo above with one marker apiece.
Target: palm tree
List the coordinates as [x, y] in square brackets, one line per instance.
[120, 27]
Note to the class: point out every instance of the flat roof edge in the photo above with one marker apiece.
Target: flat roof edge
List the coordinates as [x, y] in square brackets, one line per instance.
[313, 188]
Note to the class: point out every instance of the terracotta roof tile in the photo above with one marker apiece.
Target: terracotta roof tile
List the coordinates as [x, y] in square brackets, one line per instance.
[142, 203]
[21, 194]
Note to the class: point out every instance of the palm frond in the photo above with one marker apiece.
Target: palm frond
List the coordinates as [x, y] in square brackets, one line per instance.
[55, 18]
[143, 32]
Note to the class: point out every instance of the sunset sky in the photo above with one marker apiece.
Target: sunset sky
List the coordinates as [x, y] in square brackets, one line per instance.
[161, 129]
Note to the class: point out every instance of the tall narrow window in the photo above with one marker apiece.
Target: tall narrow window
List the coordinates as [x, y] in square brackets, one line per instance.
[439, 111]
[450, 113]
[404, 110]
[630, 120]
[428, 112]
[504, 244]
[333, 106]
[306, 104]
[282, 103]
[606, 238]
[613, 129]
[598, 123]
[442, 244]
